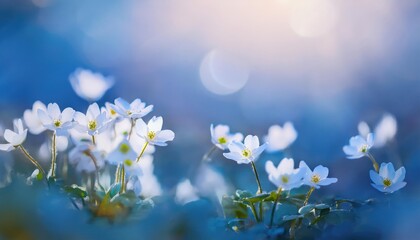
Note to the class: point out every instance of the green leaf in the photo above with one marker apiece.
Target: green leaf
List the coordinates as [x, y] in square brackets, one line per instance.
[271, 197]
[127, 199]
[306, 209]
[322, 206]
[114, 189]
[75, 191]
[234, 209]
[291, 217]
[257, 198]
[243, 194]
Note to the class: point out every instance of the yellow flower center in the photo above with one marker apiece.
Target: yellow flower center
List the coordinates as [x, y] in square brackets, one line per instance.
[285, 179]
[246, 153]
[387, 182]
[92, 125]
[315, 178]
[129, 112]
[128, 162]
[363, 148]
[151, 135]
[57, 123]
[124, 148]
[222, 140]
[112, 111]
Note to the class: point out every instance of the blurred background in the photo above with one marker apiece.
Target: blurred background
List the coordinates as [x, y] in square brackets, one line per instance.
[321, 64]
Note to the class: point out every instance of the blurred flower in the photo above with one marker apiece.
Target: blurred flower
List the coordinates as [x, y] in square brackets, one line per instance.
[246, 152]
[122, 152]
[94, 122]
[359, 146]
[152, 131]
[150, 184]
[84, 157]
[384, 132]
[55, 120]
[134, 110]
[185, 192]
[210, 183]
[34, 176]
[134, 184]
[14, 138]
[279, 138]
[388, 180]
[132, 168]
[90, 86]
[32, 120]
[285, 176]
[221, 137]
[318, 177]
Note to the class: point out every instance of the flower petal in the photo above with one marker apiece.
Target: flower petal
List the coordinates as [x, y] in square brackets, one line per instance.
[155, 124]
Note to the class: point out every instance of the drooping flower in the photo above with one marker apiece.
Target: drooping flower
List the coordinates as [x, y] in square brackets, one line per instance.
[152, 131]
[134, 184]
[31, 119]
[134, 110]
[279, 138]
[14, 138]
[388, 180]
[124, 151]
[89, 85]
[285, 176]
[221, 136]
[246, 152]
[359, 146]
[55, 120]
[384, 131]
[85, 158]
[94, 122]
[318, 177]
[185, 192]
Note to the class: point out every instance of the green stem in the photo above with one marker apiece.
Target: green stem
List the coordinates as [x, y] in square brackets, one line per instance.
[256, 177]
[33, 161]
[122, 179]
[273, 210]
[308, 195]
[206, 156]
[131, 128]
[93, 140]
[261, 211]
[374, 163]
[117, 174]
[254, 211]
[53, 154]
[142, 151]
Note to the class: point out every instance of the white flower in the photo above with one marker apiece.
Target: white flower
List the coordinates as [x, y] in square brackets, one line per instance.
[14, 138]
[134, 110]
[221, 137]
[83, 157]
[246, 152]
[132, 168]
[110, 112]
[134, 184]
[32, 120]
[90, 86]
[388, 180]
[279, 138]
[384, 131]
[94, 122]
[318, 177]
[55, 120]
[359, 146]
[152, 131]
[211, 183]
[121, 153]
[185, 192]
[285, 176]
[150, 184]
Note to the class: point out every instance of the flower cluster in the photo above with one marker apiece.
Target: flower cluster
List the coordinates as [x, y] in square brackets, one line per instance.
[114, 137]
[384, 178]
